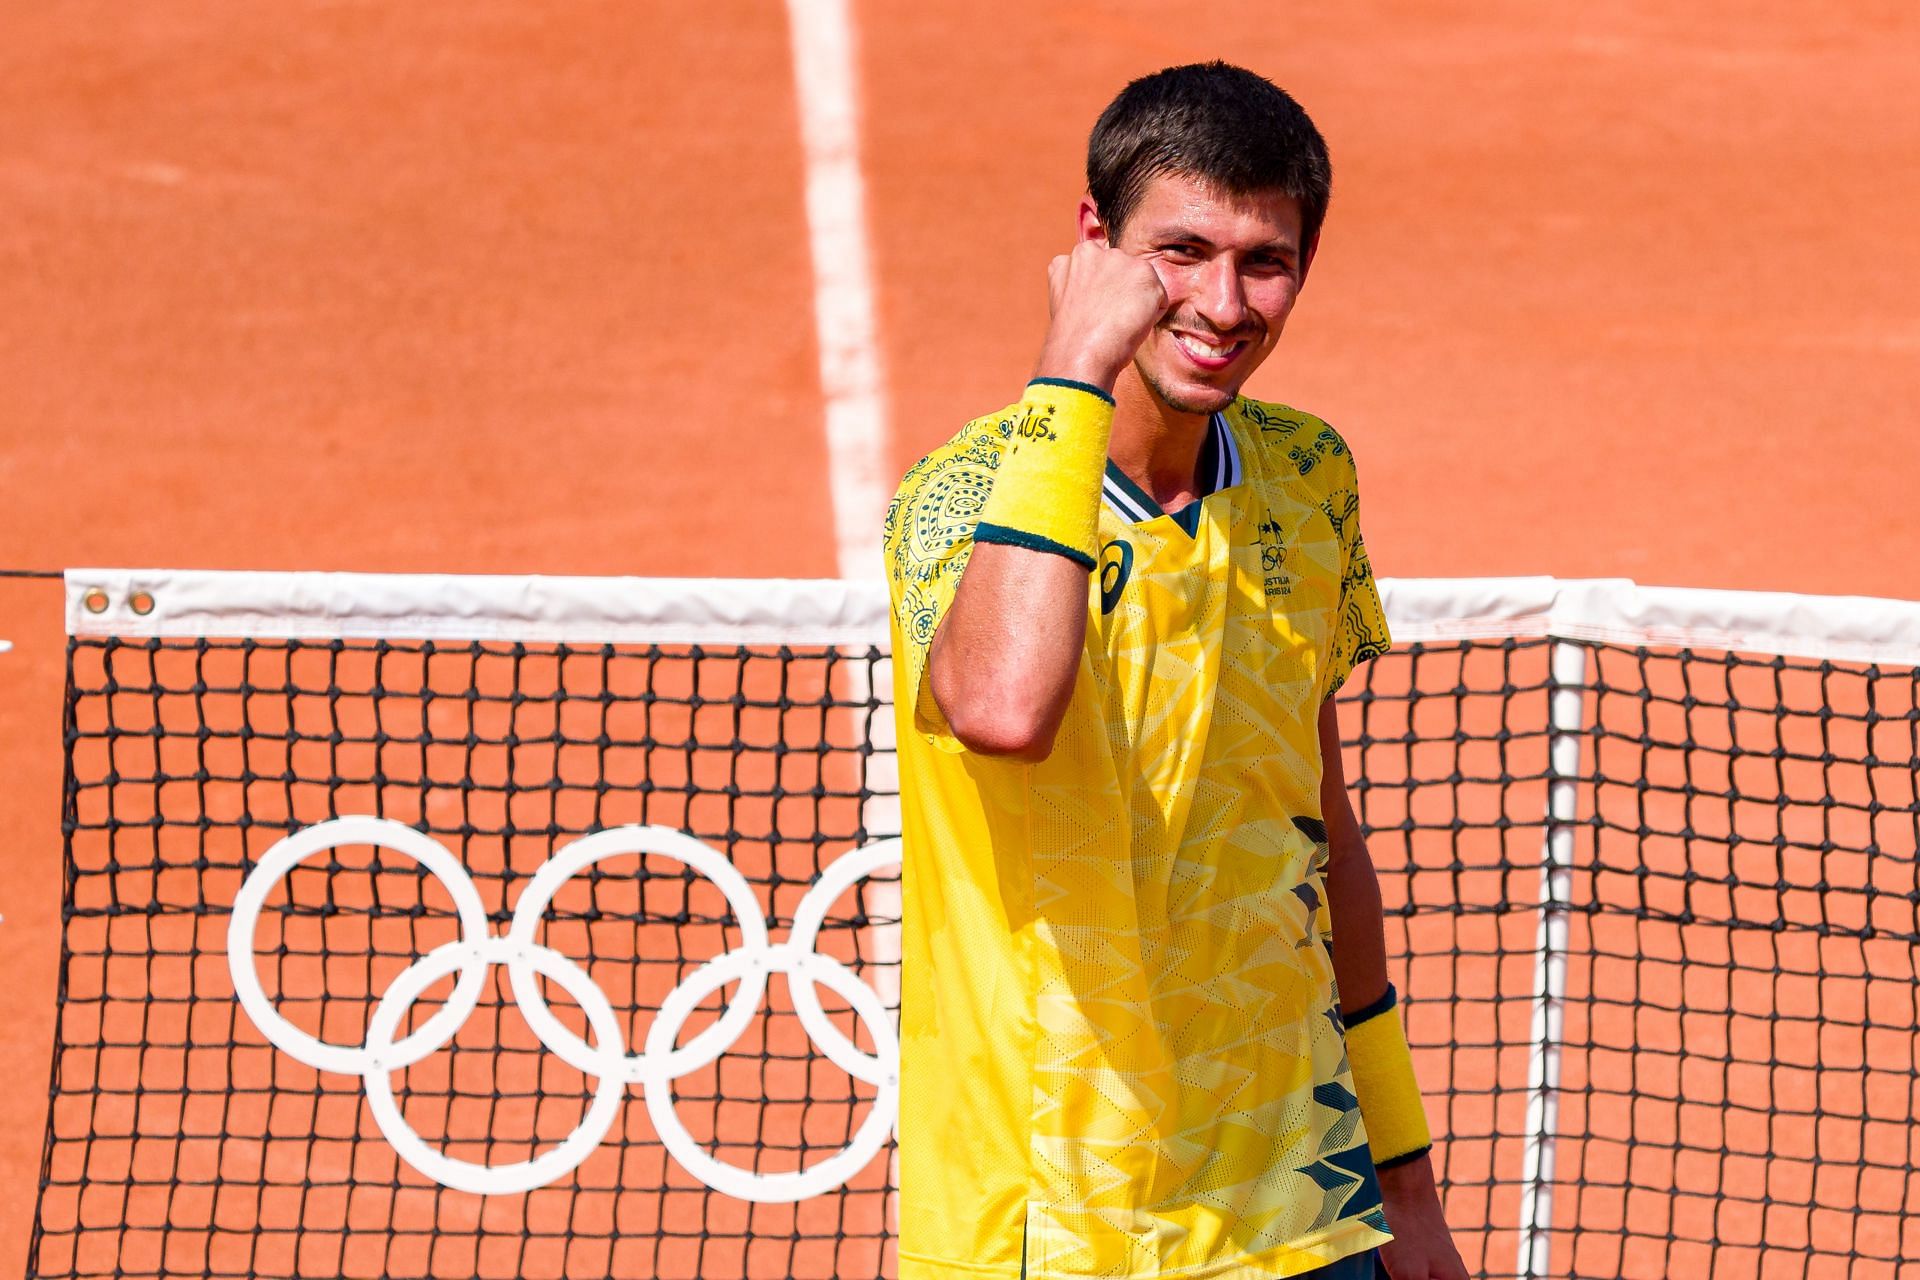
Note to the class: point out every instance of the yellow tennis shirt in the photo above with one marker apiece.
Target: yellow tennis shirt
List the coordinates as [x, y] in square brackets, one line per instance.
[1121, 1048]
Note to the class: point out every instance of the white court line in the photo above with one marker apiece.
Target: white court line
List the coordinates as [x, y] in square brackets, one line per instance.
[850, 378]
[821, 32]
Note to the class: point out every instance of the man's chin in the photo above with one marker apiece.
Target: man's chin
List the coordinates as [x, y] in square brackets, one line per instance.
[1189, 397]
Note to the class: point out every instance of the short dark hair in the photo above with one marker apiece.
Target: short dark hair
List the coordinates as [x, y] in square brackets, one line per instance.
[1233, 130]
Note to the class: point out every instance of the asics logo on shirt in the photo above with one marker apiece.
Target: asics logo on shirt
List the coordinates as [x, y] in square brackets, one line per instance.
[1116, 566]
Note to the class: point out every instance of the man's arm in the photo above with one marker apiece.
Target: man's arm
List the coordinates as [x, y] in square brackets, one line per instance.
[1422, 1247]
[1003, 661]
[1004, 658]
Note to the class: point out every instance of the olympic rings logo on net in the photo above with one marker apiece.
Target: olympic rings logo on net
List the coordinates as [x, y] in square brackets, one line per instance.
[659, 1062]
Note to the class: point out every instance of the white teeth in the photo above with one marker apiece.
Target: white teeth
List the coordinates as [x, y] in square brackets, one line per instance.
[1205, 350]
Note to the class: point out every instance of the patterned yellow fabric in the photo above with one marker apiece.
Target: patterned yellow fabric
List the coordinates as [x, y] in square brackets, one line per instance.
[1121, 1049]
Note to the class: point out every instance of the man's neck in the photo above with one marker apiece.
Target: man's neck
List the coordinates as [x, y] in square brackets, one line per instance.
[1154, 444]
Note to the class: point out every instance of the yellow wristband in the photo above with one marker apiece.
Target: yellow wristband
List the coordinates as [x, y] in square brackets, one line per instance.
[1382, 1068]
[1046, 490]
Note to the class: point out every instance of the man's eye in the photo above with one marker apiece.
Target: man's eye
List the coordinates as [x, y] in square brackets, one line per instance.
[1180, 252]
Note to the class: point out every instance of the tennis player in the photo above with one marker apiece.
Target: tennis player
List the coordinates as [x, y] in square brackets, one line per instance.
[1147, 1029]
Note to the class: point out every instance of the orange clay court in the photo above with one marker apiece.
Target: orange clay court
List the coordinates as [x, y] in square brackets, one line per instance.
[1616, 292]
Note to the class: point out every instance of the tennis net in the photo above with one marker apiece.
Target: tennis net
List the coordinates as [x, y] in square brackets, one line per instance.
[541, 927]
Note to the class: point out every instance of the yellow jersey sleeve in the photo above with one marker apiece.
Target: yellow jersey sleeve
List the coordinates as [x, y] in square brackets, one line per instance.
[927, 542]
[1360, 623]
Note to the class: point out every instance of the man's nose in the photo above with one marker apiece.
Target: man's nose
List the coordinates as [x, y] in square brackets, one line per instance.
[1218, 296]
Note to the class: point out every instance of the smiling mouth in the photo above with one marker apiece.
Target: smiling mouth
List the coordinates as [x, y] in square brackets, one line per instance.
[1208, 355]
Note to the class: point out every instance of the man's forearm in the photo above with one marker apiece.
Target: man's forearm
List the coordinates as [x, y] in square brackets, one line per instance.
[1005, 657]
[1003, 662]
[1359, 932]
[1353, 887]
[1421, 1246]
[1376, 1044]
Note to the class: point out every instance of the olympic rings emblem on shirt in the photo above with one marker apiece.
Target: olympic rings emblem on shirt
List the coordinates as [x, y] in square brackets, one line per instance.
[659, 1062]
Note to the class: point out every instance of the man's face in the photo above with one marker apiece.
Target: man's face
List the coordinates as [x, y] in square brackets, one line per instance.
[1232, 267]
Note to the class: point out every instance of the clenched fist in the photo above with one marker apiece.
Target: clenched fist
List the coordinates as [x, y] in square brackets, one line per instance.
[1104, 303]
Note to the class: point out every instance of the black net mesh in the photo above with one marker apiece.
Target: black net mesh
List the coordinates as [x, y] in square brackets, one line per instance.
[182, 1144]
[1728, 1091]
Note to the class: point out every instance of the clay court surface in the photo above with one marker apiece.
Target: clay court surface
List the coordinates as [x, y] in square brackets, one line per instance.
[485, 287]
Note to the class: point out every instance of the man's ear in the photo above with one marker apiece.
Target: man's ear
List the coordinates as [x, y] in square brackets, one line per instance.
[1306, 259]
[1091, 227]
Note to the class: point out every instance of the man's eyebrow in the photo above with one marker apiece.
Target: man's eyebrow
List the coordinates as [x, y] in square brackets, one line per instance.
[1186, 235]
[1175, 231]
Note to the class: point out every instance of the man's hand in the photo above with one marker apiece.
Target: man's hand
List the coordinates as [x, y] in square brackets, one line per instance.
[1422, 1247]
[1104, 302]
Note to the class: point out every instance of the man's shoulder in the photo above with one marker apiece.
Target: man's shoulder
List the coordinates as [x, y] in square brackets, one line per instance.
[971, 452]
[980, 441]
[951, 483]
[1293, 442]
